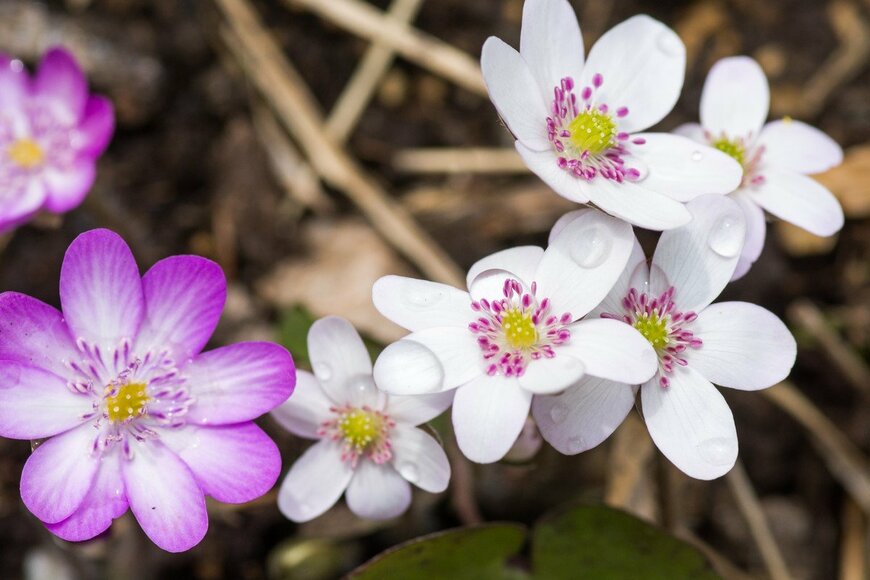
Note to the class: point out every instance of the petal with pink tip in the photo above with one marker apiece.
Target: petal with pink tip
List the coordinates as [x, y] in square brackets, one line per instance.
[95, 130]
[61, 82]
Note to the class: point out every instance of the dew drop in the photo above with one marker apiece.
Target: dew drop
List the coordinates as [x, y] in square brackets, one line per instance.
[592, 247]
[697, 155]
[718, 450]
[558, 413]
[575, 445]
[423, 299]
[669, 43]
[409, 471]
[323, 371]
[726, 236]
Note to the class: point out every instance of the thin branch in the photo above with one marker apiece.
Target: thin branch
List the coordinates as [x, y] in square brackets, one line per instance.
[855, 544]
[462, 160]
[629, 482]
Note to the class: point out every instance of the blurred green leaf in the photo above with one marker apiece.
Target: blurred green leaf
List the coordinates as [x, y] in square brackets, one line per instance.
[473, 553]
[602, 543]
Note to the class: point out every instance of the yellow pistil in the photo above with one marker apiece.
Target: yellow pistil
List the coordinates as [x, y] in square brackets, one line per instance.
[519, 330]
[127, 403]
[26, 153]
[361, 428]
[654, 329]
[733, 148]
[592, 131]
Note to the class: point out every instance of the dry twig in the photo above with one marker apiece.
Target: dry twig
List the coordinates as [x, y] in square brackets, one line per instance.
[855, 545]
[464, 160]
[629, 483]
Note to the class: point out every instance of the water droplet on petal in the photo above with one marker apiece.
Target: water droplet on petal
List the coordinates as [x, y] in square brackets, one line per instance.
[423, 299]
[409, 471]
[575, 445]
[592, 247]
[726, 236]
[323, 371]
[697, 155]
[718, 450]
[669, 43]
[558, 413]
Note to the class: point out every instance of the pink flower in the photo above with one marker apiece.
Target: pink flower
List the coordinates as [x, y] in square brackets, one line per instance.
[52, 131]
[134, 414]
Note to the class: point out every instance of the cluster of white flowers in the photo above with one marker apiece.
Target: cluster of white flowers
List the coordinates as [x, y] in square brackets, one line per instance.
[570, 333]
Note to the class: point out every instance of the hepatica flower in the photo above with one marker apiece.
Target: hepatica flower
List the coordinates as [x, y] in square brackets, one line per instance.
[776, 157]
[369, 446]
[731, 344]
[516, 333]
[133, 414]
[578, 125]
[52, 131]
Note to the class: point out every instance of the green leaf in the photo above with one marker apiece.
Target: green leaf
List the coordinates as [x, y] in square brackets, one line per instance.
[472, 553]
[602, 543]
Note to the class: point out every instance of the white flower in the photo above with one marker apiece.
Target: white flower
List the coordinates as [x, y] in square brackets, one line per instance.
[732, 344]
[516, 333]
[776, 157]
[577, 124]
[368, 445]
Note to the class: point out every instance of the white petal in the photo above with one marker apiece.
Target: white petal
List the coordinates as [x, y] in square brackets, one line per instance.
[693, 131]
[756, 230]
[544, 165]
[522, 261]
[418, 304]
[612, 349]
[420, 459]
[306, 409]
[643, 64]
[515, 94]
[583, 262]
[563, 221]
[488, 415]
[552, 375]
[338, 357]
[745, 346]
[698, 259]
[637, 205]
[377, 492]
[418, 409]
[691, 424]
[636, 269]
[584, 415]
[800, 200]
[315, 482]
[551, 43]
[683, 169]
[799, 147]
[735, 99]
[490, 284]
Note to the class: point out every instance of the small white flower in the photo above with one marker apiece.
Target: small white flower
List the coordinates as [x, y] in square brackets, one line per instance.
[368, 445]
[516, 333]
[732, 344]
[776, 157]
[577, 125]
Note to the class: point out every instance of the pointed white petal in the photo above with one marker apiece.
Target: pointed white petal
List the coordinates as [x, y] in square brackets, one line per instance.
[315, 482]
[798, 147]
[377, 492]
[522, 261]
[613, 350]
[420, 459]
[800, 200]
[551, 43]
[418, 304]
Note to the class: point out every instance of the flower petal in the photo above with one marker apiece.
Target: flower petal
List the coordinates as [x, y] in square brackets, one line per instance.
[338, 357]
[165, 497]
[551, 43]
[521, 260]
[691, 424]
[184, 298]
[58, 475]
[613, 350]
[699, 258]
[745, 346]
[377, 492]
[35, 403]
[638, 205]
[692, 131]
[546, 376]
[17, 206]
[515, 94]
[420, 459]
[418, 304]
[583, 262]
[315, 482]
[95, 130]
[105, 502]
[683, 169]
[61, 81]
[544, 165]
[418, 409]
[798, 147]
[67, 189]
[584, 415]
[756, 230]
[239, 383]
[15, 82]
[643, 64]
[635, 269]
[735, 99]
[100, 289]
[34, 333]
[800, 200]
[232, 463]
[309, 406]
[488, 415]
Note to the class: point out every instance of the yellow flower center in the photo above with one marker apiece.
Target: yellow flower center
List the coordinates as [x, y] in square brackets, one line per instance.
[734, 148]
[519, 330]
[592, 131]
[654, 329]
[127, 403]
[26, 153]
[361, 428]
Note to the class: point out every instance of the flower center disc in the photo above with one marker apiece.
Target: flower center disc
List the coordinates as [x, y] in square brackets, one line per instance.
[654, 329]
[360, 428]
[734, 148]
[26, 153]
[519, 329]
[127, 403]
[592, 131]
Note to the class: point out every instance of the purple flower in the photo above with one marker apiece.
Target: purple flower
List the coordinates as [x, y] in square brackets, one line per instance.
[135, 415]
[52, 131]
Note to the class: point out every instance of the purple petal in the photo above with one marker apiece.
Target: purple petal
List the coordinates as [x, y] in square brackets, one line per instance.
[35, 403]
[184, 297]
[105, 502]
[60, 81]
[100, 289]
[20, 202]
[239, 383]
[66, 189]
[34, 333]
[14, 80]
[96, 127]
[164, 497]
[58, 476]
[233, 464]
